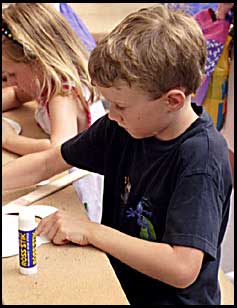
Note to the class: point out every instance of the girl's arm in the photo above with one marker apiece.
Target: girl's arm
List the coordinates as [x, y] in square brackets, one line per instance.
[9, 98]
[175, 265]
[63, 117]
[63, 112]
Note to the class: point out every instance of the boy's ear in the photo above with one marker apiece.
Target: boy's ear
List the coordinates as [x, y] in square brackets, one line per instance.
[175, 99]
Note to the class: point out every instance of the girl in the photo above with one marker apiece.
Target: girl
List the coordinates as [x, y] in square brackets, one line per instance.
[45, 61]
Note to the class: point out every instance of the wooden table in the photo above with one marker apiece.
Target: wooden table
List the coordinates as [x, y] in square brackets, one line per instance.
[67, 274]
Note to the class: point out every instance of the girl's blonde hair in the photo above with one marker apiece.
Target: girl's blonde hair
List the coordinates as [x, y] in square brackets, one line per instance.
[45, 36]
[156, 49]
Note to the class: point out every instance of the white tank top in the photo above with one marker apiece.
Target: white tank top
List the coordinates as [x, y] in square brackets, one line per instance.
[42, 116]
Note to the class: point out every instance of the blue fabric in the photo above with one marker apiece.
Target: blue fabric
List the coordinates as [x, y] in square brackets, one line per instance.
[78, 26]
[194, 8]
[197, 7]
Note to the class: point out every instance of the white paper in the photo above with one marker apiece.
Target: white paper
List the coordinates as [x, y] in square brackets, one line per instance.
[10, 245]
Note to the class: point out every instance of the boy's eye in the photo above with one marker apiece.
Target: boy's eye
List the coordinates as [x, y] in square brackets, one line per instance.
[119, 108]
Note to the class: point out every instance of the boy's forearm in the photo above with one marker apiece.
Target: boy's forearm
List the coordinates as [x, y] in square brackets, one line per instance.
[157, 260]
[33, 168]
[23, 171]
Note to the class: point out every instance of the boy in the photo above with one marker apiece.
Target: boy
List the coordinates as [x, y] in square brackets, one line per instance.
[167, 174]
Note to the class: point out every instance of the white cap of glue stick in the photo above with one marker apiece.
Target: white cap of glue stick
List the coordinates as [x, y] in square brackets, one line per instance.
[27, 242]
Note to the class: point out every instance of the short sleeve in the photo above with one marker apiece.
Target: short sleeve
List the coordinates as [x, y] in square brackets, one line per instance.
[194, 214]
[87, 150]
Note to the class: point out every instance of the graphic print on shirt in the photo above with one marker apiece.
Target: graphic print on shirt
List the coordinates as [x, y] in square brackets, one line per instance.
[141, 213]
[147, 231]
[127, 189]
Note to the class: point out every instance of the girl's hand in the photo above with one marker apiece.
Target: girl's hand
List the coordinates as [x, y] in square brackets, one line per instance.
[7, 132]
[61, 228]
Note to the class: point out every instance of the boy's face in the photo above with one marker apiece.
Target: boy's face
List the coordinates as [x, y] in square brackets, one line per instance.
[133, 110]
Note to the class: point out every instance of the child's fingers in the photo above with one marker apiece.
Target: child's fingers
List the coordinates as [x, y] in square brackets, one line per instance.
[51, 231]
[54, 230]
[60, 237]
[50, 227]
[45, 223]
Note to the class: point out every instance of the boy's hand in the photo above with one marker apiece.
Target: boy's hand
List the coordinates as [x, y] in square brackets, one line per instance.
[7, 132]
[61, 228]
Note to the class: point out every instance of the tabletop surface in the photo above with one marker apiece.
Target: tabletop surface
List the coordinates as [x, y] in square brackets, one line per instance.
[67, 274]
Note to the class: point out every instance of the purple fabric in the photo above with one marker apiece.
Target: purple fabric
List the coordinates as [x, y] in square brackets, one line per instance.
[214, 50]
[201, 92]
[78, 26]
[215, 33]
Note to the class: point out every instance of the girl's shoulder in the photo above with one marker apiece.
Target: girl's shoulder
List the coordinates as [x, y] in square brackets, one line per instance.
[85, 90]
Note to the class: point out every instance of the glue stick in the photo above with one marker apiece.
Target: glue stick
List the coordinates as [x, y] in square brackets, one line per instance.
[27, 242]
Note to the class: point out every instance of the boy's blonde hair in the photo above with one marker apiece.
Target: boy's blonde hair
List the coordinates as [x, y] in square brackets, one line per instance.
[45, 36]
[156, 49]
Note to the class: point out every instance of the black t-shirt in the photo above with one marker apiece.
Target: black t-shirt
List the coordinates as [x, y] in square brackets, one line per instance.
[175, 192]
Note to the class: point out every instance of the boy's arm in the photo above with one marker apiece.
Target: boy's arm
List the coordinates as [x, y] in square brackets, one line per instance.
[33, 168]
[175, 265]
